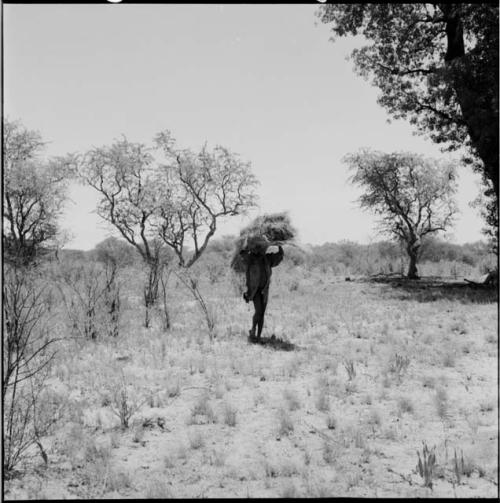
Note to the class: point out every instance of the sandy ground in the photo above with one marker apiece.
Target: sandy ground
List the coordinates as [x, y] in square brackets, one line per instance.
[373, 371]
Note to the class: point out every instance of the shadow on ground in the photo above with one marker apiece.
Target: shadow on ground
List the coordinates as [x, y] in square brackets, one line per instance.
[433, 288]
[274, 343]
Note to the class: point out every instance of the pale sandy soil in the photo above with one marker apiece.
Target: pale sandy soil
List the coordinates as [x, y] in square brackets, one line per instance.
[224, 418]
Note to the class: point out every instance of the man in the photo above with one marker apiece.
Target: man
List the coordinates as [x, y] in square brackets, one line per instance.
[258, 275]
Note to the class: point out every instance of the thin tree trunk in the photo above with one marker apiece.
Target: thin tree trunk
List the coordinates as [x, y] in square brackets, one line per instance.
[151, 289]
[412, 250]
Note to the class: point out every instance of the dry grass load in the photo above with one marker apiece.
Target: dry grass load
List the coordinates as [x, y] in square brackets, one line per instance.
[266, 230]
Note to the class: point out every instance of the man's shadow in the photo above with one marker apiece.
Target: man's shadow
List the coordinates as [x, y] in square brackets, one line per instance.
[274, 343]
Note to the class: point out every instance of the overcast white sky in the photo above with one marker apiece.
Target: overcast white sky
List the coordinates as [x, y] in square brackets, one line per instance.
[262, 80]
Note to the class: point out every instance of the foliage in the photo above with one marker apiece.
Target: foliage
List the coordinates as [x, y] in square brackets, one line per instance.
[34, 193]
[437, 66]
[412, 194]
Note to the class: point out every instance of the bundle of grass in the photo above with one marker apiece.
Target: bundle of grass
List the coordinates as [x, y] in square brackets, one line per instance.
[264, 231]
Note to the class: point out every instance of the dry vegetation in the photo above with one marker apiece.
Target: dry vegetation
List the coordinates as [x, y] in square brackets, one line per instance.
[388, 389]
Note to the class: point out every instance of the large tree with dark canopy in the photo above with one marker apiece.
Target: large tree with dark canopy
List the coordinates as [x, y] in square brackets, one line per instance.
[437, 66]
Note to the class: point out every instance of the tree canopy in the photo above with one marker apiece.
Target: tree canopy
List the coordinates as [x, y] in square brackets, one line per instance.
[437, 66]
[34, 191]
[412, 194]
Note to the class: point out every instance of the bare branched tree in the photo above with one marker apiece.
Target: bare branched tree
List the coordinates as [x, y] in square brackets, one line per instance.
[175, 204]
[28, 351]
[412, 194]
[114, 255]
[124, 175]
[204, 187]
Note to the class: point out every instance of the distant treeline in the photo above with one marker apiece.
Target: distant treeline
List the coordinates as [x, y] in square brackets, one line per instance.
[344, 257]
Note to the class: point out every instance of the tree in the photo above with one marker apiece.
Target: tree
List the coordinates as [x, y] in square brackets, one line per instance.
[124, 175]
[204, 187]
[163, 197]
[412, 194]
[436, 65]
[114, 254]
[33, 196]
[28, 353]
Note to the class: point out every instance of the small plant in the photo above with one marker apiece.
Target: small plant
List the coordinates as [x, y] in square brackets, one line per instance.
[449, 359]
[202, 408]
[138, 434]
[331, 422]
[322, 400]
[405, 405]
[461, 467]
[428, 381]
[123, 406]
[359, 439]
[285, 423]
[426, 465]
[229, 415]
[173, 389]
[349, 367]
[398, 366]
[117, 481]
[158, 489]
[196, 441]
[441, 401]
[374, 418]
[292, 399]
[289, 491]
[329, 453]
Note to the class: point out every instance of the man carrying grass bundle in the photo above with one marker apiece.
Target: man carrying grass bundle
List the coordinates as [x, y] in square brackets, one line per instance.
[252, 259]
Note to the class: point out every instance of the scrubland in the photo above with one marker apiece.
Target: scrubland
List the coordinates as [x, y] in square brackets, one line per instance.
[376, 376]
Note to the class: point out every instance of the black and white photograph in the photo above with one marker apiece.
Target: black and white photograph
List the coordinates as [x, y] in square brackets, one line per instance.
[249, 250]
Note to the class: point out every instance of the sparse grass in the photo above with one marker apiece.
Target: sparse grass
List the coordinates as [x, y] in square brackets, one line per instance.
[158, 489]
[449, 359]
[374, 418]
[428, 381]
[247, 384]
[289, 490]
[426, 465]
[138, 434]
[118, 480]
[285, 423]
[202, 411]
[330, 452]
[322, 399]
[359, 438]
[441, 402]
[405, 405]
[487, 405]
[173, 389]
[292, 399]
[398, 366]
[196, 440]
[462, 466]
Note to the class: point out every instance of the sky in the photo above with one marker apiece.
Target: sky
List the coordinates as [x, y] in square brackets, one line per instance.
[262, 80]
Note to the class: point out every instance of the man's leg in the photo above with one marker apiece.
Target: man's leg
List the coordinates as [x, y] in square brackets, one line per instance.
[256, 320]
[263, 296]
